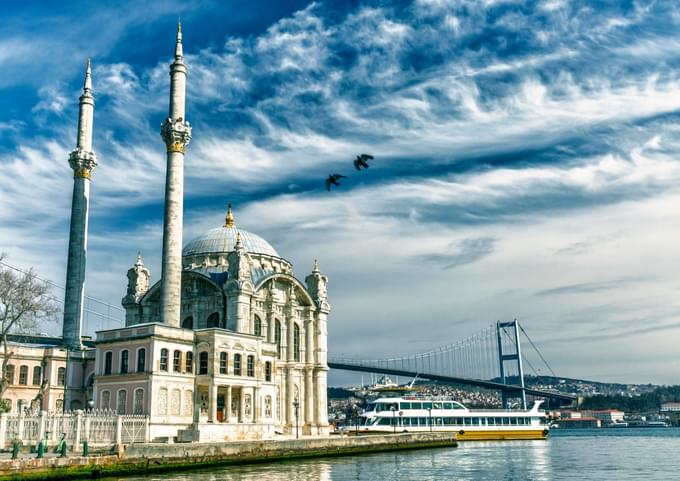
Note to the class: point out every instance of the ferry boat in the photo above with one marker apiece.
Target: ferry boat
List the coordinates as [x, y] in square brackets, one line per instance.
[418, 414]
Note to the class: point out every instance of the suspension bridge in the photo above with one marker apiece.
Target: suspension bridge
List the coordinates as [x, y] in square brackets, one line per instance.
[492, 359]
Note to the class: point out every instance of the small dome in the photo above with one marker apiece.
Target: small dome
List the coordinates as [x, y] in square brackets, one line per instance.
[223, 239]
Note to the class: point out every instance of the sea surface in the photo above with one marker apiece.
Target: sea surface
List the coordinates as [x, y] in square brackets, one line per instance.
[585, 454]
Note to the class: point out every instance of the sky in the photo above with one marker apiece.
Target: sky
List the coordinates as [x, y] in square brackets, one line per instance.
[526, 160]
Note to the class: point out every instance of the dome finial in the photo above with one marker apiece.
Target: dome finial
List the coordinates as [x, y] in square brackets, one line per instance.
[316, 266]
[139, 259]
[229, 220]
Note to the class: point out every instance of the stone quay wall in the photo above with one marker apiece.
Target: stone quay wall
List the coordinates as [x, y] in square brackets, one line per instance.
[149, 458]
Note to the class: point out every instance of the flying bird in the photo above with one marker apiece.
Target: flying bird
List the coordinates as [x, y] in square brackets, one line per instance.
[333, 180]
[361, 161]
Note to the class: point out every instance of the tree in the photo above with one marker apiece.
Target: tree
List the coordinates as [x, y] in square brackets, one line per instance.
[25, 300]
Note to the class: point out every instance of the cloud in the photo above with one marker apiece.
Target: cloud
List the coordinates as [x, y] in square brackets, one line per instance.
[460, 253]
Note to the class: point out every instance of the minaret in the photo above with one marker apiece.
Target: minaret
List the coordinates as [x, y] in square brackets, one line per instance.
[176, 133]
[82, 161]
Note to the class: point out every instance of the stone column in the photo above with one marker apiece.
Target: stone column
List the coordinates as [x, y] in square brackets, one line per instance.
[309, 397]
[212, 403]
[270, 327]
[290, 323]
[83, 161]
[242, 406]
[227, 402]
[256, 404]
[176, 133]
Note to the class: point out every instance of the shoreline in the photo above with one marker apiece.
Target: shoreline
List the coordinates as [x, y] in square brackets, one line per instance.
[141, 459]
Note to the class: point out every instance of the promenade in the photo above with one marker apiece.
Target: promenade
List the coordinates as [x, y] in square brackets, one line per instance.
[146, 458]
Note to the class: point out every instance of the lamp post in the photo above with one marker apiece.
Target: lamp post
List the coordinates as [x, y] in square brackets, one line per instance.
[429, 413]
[394, 426]
[296, 406]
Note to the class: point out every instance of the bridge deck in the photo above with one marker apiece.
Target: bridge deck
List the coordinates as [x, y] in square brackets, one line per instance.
[456, 380]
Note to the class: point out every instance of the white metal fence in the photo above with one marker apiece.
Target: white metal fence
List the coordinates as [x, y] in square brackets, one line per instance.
[98, 428]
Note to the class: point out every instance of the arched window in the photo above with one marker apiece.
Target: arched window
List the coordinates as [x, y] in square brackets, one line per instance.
[277, 338]
[37, 376]
[188, 323]
[108, 362]
[176, 361]
[61, 376]
[23, 375]
[141, 359]
[237, 364]
[164, 360]
[257, 326]
[189, 361]
[214, 320]
[296, 342]
[138, 401]
[124, 357]
[121, 402]
[203, 362]
[163, 401]
[9, 374]
[223, 363]
[105, 401]
[250, 366]
[268, 371]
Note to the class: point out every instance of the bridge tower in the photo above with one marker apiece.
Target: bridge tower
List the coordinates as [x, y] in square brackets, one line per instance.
[514, 355]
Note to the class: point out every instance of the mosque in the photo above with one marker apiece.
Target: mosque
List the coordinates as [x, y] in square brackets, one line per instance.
[228, 344]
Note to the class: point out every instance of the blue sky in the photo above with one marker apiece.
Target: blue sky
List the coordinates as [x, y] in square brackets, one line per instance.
[526, 159]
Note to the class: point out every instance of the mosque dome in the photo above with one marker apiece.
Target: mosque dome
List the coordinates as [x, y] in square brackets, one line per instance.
[222, 240]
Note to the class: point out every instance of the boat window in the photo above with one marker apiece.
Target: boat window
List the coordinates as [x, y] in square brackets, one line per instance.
[385, 422]
[475, 421]
[520, 421]
[404, 406]
[427, 405]
[491, 421]
[436, 405]
[448, 406]
[422, 421]
[407, 422]
[416, 405]
[506, 421]
[513, 421]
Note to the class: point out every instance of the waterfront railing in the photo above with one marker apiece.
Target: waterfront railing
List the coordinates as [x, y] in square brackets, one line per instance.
[100, 428]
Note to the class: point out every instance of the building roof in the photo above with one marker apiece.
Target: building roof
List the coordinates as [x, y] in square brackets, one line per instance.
[222, 240]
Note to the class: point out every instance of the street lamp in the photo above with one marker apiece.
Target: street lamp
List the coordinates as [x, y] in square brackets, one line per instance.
[429, 413]
[296, 406]
[394, 426]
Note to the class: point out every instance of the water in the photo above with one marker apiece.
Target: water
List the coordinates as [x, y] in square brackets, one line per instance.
[603, 454]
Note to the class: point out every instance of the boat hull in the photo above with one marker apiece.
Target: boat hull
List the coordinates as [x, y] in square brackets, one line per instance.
[477, 435]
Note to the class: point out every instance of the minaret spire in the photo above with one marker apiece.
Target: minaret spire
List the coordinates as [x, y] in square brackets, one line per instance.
[176, 133]
[83, 161]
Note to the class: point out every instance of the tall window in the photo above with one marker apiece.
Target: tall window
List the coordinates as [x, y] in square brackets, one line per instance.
[223, 363]
[296, 342]
[188, 323]
[105, 400]
[37, 376]
[138, 401]
[277, 338]
[141, 360]
[237, 364]
[189, 361]
[23, 375]
[176, 361]
[61, 376]
[203, 363]
[214, 320]
[124, 357]
[250, 366]
[108, 362]
[164, 360]
[257, 326]
[121, 402]
[268, 371]
[9, 374]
